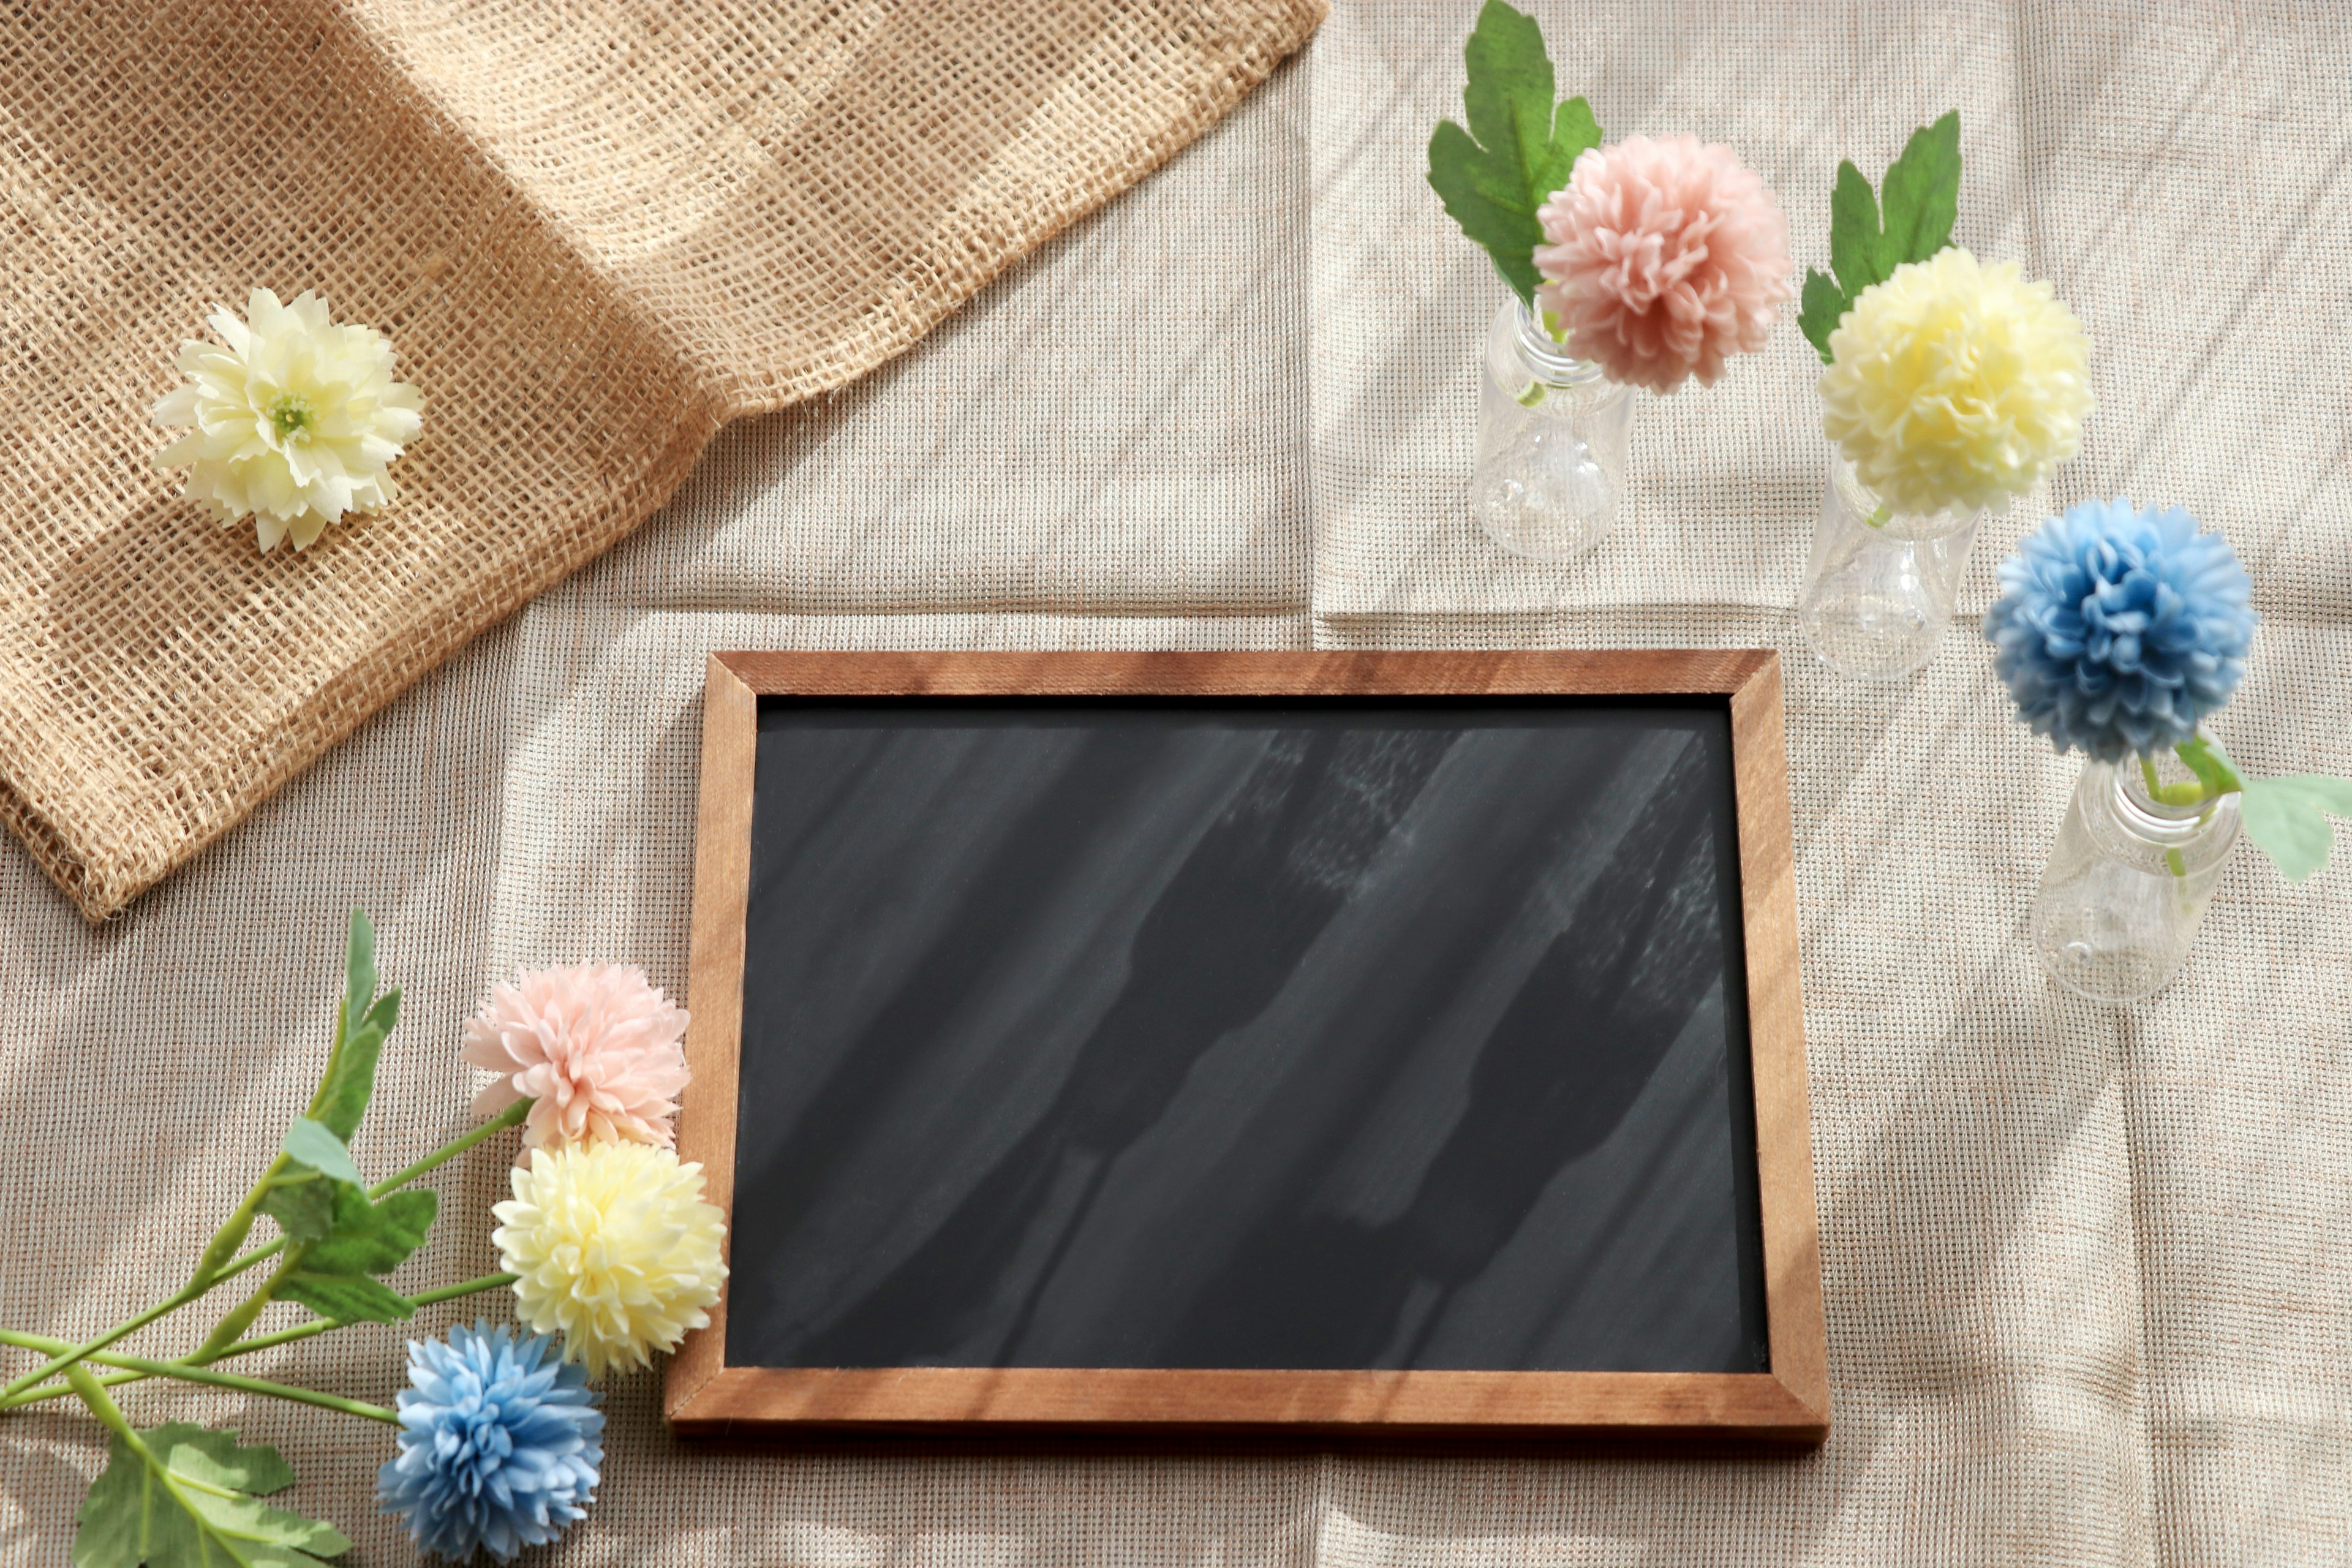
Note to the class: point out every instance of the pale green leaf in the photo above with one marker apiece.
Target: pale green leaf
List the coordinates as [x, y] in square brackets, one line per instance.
[312, 1145]
[359, 967]
[2287, 819]
[190, 1499]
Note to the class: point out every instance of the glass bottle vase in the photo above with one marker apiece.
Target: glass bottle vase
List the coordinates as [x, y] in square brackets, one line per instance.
[1880, 584]
[2126, 883]
[1553, 432]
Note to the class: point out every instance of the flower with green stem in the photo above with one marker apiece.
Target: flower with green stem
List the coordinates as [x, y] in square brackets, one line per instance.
[178, 1493]
[2117, 631]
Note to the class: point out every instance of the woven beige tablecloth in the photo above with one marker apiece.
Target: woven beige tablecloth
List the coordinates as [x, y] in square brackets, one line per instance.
[2088, 1270]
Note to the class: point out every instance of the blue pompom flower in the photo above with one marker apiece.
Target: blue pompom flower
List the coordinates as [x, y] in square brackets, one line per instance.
[2118, 630]
[499, 1444]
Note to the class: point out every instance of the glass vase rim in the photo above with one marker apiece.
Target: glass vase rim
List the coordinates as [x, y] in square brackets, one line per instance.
[2131, 787]
[1546, 358]
[2204, 831]
[1914, 525]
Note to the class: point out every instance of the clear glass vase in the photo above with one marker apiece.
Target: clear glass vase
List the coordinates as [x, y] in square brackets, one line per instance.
[2127, 881]
[1880, 584]
[1553, 437]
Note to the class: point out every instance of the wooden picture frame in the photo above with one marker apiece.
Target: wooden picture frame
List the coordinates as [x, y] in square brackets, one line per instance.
[705, 1396]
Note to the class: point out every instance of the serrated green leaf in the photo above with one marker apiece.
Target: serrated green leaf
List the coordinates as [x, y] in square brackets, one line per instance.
[1923, 194]
[1823, 306]
[311, 1144]
[188, 1498]
[372, 1237]
[1519, 148]
[1574, 132]
[1507, 96]
[343, 1098]
[2287, 819]
[1854, 237]
[302, 1202]
[1457, 173]
[344, 1298]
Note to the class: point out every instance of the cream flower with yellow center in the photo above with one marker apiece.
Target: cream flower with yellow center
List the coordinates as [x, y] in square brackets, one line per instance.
[1953, 385]
[294, 418]
[613, 1247]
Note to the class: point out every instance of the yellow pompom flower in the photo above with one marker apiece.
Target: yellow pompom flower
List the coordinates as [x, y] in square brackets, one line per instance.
[296, 418]
[614, 1248]
[1953, 385]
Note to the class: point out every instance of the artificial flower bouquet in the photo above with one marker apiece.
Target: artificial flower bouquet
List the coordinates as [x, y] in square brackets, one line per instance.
[609, 1253]
[1950, 388]
[2119, 629]
[1647, 263]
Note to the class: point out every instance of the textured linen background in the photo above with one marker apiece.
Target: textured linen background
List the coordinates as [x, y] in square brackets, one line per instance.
[2085, 1267]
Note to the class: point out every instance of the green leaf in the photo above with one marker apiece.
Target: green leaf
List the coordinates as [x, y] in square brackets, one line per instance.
[344, 1298]
[343, 1098]
[2287, 819]
[1868, 239]
[1574, 132]
[1923, 194]
[373, 1238]
[1507, 96]
[302, 1202]
[1855, 253]
[331, 1277]
[187, 1498]
[1823, 306]
[312, 1145]
[1458, 173]
[359, 966]
[1520, 147]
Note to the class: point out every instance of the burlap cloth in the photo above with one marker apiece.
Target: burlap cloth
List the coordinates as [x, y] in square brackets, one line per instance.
[2086, 1269]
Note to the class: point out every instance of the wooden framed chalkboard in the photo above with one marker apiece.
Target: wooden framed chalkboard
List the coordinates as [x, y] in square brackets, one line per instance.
[1361, 1043]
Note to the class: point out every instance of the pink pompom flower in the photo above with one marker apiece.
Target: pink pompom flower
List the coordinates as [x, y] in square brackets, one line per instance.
[594, 1046]
[1666, 258]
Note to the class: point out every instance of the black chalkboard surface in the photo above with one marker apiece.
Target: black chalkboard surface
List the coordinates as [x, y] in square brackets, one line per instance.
[1361, 1032]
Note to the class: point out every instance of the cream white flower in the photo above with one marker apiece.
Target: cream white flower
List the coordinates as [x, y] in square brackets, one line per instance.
[614, 1248]
[295, 418]
[1956, 384]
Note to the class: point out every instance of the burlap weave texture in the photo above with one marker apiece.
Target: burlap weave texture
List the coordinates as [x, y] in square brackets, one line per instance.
[2085, 1266]
[595, 234]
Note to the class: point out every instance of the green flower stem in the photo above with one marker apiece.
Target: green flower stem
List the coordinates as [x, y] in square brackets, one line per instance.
[86, 1385]
[39, 1375]
[105, 1409]
[511, 1117]
[311, 1330]
[239, 1318]
[239, 1224]
[1882, 517]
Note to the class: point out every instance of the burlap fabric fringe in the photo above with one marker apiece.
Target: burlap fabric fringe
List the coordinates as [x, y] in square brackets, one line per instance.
[595, 232]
